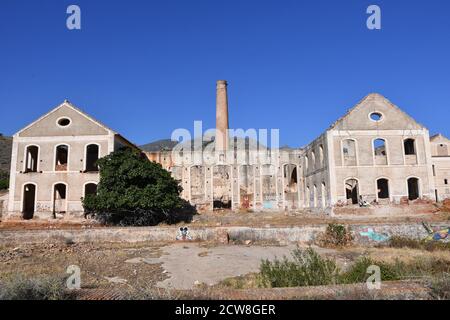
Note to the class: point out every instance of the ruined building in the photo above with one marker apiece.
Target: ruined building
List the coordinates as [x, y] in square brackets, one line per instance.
[375, 153]
[53, 163]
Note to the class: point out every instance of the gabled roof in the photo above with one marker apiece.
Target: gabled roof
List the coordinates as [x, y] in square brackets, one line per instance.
[372, 96]
[439, 137]
[66, 103]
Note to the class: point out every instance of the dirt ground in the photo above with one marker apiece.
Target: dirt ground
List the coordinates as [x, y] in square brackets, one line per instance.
[97, 262]
[230, 219]
[180, 266]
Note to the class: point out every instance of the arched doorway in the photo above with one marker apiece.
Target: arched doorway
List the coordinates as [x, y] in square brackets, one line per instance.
[59, 198]
[383, 188]
[222, 187]
[351, 191]
[413, 188]
[29, 200]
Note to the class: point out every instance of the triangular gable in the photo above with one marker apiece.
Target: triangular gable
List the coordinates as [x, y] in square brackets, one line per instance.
[46, 125]
[393, 118]
[439, 138]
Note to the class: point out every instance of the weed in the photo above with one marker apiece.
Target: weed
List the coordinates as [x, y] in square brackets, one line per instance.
[307, 268]
[336, 235]
[45, 288]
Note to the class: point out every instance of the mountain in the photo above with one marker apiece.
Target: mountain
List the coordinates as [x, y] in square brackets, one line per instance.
[160, 145]
[5, 153]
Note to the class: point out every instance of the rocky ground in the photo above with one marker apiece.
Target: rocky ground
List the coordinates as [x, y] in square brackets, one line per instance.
[193, 270]
[102, 265]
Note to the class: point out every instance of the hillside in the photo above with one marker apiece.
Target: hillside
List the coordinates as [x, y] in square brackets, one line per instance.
[5, 153]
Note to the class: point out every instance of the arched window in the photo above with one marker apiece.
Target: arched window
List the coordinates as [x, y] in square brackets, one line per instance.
[380, 152]
[308, 197]
[324, 195]
[315, 196]
[321, 155]
[31, 159]
[62, 157]
[379, 147]
[313, 160]
[349, 152]
[90, 188]
[410, 149]
[306, 163]
[92, 155]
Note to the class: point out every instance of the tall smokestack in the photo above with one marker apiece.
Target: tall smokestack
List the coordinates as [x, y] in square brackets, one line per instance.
[221, 116]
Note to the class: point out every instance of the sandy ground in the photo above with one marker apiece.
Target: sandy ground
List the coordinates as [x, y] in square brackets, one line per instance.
[190, 264]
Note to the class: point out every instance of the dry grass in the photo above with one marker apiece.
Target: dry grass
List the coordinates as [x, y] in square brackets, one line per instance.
[95, 261]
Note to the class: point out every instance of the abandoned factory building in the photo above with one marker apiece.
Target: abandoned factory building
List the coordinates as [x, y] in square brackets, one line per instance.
[375, 153]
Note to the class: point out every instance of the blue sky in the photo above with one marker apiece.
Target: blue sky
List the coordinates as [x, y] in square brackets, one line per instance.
[145, 68]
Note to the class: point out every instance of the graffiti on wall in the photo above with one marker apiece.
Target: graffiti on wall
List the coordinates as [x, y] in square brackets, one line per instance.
[435, 235]
[183, 234]
[375, 236]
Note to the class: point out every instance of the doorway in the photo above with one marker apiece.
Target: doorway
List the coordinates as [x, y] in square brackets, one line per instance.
[351, 191]
[29, 200]
[413, 188]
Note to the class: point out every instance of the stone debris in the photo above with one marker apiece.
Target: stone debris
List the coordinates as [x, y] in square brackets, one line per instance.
[222, 236]
[116, 280]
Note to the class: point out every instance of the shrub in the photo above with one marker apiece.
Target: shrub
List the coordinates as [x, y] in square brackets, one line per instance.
[336, 235]
[307, 268]
[46, 288]
[398, 270]
[440, 288]
[358, 271]
[133, 191]
[403, 242]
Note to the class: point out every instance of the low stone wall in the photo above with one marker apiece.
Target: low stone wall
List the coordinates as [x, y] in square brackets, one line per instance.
[364, 234]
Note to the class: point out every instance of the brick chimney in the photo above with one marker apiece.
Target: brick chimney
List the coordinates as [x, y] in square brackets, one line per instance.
[221, 116]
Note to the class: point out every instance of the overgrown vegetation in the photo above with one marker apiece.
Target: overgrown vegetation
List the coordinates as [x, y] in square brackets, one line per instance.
[307, 268]
[135, 191]
[358, 271]
[440, 288]
[45, 288]
[4, 180]
[403, 242]
[336, 235]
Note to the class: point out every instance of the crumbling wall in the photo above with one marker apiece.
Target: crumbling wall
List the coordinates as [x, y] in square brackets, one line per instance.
[222, 187]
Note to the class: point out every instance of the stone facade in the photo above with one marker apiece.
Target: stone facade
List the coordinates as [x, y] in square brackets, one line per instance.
[374, 154]
[53, 163]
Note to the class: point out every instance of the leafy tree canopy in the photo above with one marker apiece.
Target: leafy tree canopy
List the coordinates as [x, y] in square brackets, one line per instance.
[133, 190]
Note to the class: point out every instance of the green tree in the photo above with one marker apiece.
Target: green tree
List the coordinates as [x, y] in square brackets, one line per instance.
[133, 191]
[4, 180]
